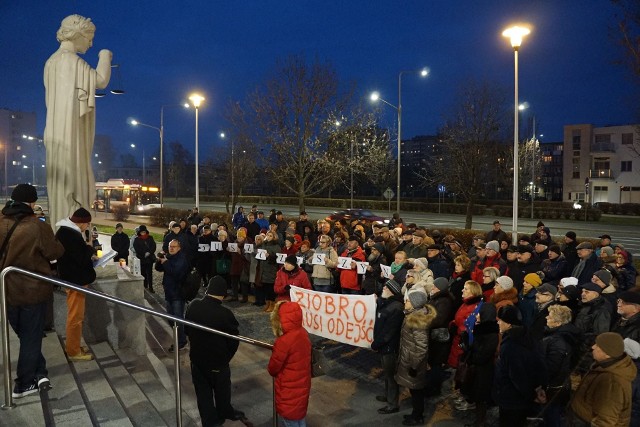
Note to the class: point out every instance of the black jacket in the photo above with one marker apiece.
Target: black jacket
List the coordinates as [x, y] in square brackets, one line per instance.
[591, 265]
[120, 243]
[539, 323]
[76, 265]
[482, 357]
[210, 351]
[519, 370]
[629, 328]
[571, 254]
[559, 347]
[175, 271]
[443, 303]
[143, 247]
[518, 273]
[386, 331]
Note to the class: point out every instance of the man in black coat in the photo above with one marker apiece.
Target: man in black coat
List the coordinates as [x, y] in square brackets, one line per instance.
[386, 341]
[587, 265]
[439, 337]
[120, 243]
[570, 252]
[629, 310]
[210, 354]
[76, 266]
[519, 369]
[528, 262]
[545, 297]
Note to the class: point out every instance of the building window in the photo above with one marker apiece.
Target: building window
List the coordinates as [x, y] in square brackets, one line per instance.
[576, 142]
[625, 166]
[627, 138]
[603, 138]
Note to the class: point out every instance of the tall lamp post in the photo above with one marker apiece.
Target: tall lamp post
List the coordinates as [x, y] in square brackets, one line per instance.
[197, 100]
[161, 132]
[375, 96]
[515, 34]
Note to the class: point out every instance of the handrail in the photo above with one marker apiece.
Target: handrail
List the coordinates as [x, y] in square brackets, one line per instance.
[8, 397]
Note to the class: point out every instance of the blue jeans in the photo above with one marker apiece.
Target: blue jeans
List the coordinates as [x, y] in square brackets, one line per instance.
[27, 321]
[293, 423]
[176, 308]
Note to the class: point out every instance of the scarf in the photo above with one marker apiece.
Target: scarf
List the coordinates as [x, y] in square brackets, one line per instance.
[396, 267]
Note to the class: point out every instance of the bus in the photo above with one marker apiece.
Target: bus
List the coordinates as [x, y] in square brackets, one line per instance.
[137, 197]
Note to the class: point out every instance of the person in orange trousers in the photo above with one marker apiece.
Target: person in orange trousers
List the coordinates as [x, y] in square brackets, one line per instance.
[76, 266]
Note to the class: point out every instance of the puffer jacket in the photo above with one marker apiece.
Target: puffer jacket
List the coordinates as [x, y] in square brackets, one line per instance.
[31, 247]
[414, 348]
[285, 279]
[349, 278]
[290, 362]
[604, 395]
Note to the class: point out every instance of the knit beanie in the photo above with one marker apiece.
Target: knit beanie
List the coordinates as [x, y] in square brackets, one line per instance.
[533, 279]
[494, 245]
[81, 216]
[217, 286]
[291, 259]
[510, 314]
[555, 249]
[611, 343]
[421, 262]
[441, 283]
[24, 193]
[505, 282]
[418, 299]
[393, 286]
[603, 275]
[632, 348]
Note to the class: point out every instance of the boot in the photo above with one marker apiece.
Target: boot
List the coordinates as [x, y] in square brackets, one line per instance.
[270, 306]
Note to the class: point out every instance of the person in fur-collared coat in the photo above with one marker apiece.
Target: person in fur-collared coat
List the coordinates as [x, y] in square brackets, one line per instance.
[290, 362]
[414, 351]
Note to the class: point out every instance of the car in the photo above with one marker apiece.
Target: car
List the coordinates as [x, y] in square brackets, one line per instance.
[360, 214]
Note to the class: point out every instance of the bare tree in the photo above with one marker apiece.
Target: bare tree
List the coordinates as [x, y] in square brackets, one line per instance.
[294, 120]
[466, 161]
[178, 164]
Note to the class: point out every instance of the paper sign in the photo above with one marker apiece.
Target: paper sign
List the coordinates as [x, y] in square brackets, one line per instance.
[261, 254]
[344, 262]
[344, 318]
[248, 248]
[300, 260]
[386, 271]
[233, 247]
[280, 258]
[216, 246]
[318, 259]
[362, 267]
[203, 247]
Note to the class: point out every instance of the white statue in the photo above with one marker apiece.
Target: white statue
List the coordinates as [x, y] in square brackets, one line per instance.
[70, 84]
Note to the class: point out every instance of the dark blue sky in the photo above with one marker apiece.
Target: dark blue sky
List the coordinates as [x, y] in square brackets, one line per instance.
[168, 49]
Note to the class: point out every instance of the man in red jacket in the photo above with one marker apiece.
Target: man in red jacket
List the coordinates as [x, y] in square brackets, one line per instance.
[290, 363]
[349, 279]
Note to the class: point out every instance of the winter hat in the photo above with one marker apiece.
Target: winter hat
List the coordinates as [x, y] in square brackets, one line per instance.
[421, 263]
[547, 288]
[291, 259]
[379, 247]
[525, 248]
[142, 228]
[571, 235]
[632, 348]
[509, 314]
[118, 225]
[630, 297]
[175, 224]
[171, 224]
[603, 275]
[505, 282]
[418, 299]
[569, 281]
[585, 245]
[533, 279]
[217, 286]
[393, 286]
[81, 216]
[607, 250]
[571, 292]
[590, 286]
[398, 230]
[488, 313]
[24, 193]
[494, 245]
[611, 343]
[441, 283]
[290, 239]
[555, 249]
[420, 233]
[540, 224]
[305, 243]
[547, 230]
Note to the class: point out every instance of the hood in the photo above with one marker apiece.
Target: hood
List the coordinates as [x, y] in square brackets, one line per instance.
[422, 318]
[66, 222]
[285, 317]
[624, 369]
[12, 208]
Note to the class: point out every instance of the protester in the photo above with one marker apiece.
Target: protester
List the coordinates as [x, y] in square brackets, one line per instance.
[628, 307]
[290, 275]
[28, 297]
[592, 319]
[471, 299]
[210, 353]
[604, 395]
[504, 293]
[386, 341]
[414, 352]
[145, 249]
[120, 244]
[323, 273]
[461, 275]
[76, 266]
[439, 337]
[349, 278]
[290, 363]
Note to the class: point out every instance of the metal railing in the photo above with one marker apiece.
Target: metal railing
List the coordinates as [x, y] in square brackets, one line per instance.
[8, 397]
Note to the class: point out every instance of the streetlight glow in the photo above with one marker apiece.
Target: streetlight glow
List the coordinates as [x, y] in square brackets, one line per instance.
[197, 99]
[515, 34]
[375, 96]
[222, 135]
[424, 72]
[134, 122]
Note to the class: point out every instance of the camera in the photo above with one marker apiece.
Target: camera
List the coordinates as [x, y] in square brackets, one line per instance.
[160, 254]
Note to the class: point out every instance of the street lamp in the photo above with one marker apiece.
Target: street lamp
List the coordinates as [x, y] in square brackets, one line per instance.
[197, 100]
[223, 136]
[375, 96]
[515, 34]
[161, 131]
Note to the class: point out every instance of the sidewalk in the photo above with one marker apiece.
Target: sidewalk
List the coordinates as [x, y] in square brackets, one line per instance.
[106, 219]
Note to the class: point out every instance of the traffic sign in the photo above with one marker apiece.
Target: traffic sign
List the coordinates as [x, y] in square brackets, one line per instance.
[442, 188]
[388, 194]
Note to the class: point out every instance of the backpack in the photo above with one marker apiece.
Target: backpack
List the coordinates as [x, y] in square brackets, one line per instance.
[191, 285]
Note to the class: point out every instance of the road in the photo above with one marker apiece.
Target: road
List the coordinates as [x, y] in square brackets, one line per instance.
[627, 235]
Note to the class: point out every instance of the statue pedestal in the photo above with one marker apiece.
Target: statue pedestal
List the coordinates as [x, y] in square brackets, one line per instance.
[123, 327]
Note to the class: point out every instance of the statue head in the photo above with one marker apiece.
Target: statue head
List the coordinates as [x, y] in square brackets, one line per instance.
[77, 29]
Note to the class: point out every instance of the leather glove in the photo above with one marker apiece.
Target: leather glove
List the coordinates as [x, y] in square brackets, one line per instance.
[412, 372]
